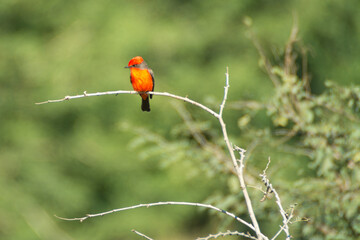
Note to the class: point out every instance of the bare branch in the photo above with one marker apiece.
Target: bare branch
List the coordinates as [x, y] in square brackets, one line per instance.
[142, 235]
[81, 219]
[88, 95]
[186, 99]
[227, 233]
[271, 189]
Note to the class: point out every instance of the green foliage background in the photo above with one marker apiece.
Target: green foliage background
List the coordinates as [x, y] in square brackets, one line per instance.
[95, 154]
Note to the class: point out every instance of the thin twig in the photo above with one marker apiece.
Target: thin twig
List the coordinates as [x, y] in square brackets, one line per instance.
[226, 90]
[131, 92]
[305, 75]
[88, 95]
[81, 219]
[289, 58]
[267, 64]
[252, 105]
[227, 233]
[270, 188]
[200, 138]
[257, 188]
[141, 234]
[189, 122]
[285, 224]
[251, 148]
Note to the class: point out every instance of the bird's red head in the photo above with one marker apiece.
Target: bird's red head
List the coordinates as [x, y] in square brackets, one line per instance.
[135, 61]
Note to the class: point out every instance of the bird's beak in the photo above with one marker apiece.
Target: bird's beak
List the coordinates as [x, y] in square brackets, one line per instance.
[127, 67]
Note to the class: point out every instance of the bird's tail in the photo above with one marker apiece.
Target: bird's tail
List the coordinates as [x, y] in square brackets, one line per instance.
[145, 105]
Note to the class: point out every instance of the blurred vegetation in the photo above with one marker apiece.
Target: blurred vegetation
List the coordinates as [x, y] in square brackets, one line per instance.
[95, 154]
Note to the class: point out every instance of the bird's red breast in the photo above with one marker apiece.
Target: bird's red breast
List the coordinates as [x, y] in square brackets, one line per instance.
[141, 80]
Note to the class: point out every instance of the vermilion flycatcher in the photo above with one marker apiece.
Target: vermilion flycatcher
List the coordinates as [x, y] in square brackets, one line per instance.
[142, 80]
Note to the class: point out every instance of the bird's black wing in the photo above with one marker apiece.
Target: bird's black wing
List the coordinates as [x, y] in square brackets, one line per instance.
[153, 80]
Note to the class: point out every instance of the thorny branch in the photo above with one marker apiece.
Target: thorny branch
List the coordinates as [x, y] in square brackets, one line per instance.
[227, 233]
[271, 189]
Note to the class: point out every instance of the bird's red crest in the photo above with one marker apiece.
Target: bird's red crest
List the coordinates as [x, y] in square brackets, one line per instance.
[135, 60]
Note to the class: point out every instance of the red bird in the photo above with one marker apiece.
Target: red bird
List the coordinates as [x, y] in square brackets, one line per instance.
[142, 80]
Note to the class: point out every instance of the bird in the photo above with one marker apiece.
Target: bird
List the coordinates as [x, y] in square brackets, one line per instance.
[142, 80]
